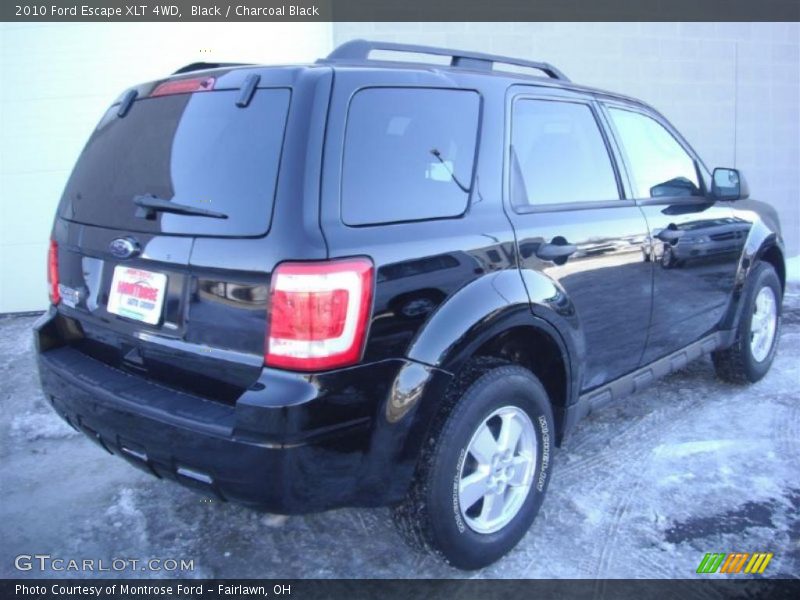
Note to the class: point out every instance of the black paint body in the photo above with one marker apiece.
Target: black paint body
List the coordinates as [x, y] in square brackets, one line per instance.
[190, 398]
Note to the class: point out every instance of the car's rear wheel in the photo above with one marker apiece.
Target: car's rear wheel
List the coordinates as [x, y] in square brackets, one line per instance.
[496, 471]
[483, 477]
[751, 356]
[668, 258]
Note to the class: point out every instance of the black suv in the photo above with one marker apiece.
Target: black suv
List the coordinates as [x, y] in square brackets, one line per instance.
[369, 282]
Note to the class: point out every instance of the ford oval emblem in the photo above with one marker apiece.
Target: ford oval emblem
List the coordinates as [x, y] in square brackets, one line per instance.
[124, 247]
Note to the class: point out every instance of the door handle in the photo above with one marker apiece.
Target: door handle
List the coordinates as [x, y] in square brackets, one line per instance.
[669, 235]
[556, 252]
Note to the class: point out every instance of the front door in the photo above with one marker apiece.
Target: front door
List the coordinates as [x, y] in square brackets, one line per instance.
[694, 244]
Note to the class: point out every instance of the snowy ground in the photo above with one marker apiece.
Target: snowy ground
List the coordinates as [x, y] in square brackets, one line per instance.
[644, 488]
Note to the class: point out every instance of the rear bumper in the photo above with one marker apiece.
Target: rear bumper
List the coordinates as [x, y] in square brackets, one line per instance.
[292, 444]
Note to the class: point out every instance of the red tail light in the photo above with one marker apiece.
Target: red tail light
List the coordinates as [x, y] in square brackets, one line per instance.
[184, 86]
[319, 313]
[52, 273]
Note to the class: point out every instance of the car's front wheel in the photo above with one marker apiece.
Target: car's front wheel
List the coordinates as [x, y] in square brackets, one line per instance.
[483, 476]
[751, 356]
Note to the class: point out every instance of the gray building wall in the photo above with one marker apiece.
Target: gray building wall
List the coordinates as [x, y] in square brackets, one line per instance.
[732, 89]
[57, 80]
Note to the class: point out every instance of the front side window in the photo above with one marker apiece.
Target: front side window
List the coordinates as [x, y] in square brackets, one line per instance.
[660, 167]
[558, 155]
[408, 154]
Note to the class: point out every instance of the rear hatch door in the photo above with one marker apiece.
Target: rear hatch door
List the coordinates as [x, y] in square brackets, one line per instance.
[170, 169]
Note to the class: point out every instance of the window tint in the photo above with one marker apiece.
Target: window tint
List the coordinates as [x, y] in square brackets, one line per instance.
[560, 155]
[659, 164]
[408, 154]
[199, 150]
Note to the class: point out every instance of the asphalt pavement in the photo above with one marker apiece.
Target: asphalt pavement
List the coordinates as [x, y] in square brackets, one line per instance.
[643, 488]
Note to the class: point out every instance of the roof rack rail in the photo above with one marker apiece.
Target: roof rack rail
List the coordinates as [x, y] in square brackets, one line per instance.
[359, 50]
[199, 66]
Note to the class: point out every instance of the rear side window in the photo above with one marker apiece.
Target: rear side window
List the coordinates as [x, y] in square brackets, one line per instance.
[408, 155]
[559, 155]
[659, 164]
[199, 150]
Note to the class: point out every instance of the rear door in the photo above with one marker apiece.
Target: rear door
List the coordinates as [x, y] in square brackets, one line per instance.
[165, 229]
[574, 225]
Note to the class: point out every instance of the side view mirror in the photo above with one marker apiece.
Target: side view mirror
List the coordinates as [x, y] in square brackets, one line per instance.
[729, 184]
[679, 186]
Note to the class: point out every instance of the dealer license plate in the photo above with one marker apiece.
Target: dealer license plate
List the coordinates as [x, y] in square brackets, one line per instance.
[137, 294]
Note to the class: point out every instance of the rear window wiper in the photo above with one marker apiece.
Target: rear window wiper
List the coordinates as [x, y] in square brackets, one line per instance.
[152, 204]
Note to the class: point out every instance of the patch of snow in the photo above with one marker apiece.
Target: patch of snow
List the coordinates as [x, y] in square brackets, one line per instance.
[590, 508]
[126, 511]
[676, 478]
[124, 506]
[793, 269]
[594, 515]
[766, 487]
[35, 426]
[689, 448]
[274, 520]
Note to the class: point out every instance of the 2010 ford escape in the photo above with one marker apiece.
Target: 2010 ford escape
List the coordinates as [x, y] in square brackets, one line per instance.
[372, 282]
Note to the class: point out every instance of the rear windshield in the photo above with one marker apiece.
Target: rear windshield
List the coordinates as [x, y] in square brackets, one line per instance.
[199, 150]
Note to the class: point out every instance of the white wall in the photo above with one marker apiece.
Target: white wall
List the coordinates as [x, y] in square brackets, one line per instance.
[56, 81]
[732, 89]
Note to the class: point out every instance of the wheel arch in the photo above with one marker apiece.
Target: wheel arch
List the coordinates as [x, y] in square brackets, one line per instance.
[762, 246]
[493, 318]
[772, 253]
[537, 347]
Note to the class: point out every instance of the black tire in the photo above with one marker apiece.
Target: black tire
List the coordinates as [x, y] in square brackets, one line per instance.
[737, 363]
[430, 518]
[668, 258]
